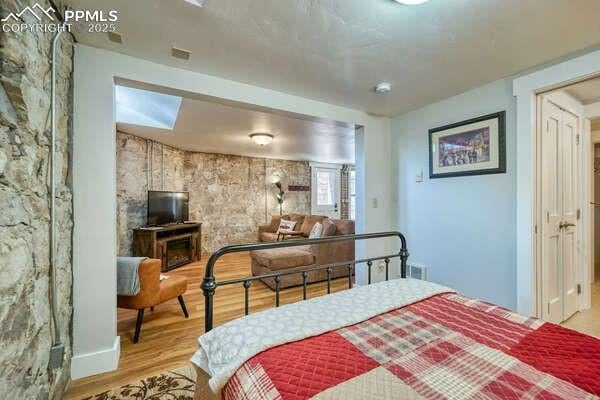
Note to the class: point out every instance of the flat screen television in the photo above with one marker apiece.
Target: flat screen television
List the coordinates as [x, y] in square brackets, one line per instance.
[167, 207]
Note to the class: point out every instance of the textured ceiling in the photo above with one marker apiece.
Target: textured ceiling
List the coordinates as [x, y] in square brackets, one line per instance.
[337, 50]
[216, 128]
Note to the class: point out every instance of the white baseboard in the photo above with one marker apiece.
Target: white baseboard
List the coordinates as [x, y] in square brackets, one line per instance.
[88, 364]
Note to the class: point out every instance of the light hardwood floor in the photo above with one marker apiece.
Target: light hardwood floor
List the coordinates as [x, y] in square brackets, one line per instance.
[588, 321]
[168, 340]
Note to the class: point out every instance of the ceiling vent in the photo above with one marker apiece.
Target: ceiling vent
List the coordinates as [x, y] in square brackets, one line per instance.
[180, 53]
[115, 37]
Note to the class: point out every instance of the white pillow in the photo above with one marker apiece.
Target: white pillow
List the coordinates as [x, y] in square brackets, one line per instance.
[316, 231]
[285, 225]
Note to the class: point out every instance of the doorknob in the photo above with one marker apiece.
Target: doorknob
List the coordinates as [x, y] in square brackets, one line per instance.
[565, 225]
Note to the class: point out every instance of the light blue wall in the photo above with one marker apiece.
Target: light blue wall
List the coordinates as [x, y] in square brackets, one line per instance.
[462, 228]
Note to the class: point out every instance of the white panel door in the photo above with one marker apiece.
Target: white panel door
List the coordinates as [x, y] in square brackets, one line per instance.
[551, 217]
[325, 191]
[559, 203]
[570, 173]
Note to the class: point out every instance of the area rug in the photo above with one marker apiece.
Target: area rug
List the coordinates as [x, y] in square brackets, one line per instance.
[178, 384]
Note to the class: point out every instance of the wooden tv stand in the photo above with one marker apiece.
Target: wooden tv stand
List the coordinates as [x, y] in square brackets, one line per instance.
[175, 245]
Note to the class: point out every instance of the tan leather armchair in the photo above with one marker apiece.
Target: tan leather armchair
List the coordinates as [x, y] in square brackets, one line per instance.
[153, 292]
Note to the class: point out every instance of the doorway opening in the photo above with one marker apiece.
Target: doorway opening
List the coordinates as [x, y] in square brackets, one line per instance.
[566, 217]
[180, 143]
[238, 165]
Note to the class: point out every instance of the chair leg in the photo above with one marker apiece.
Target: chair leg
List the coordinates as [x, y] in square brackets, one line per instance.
[182, 304]
[138, 325]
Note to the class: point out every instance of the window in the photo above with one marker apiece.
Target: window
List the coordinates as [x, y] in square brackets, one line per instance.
[325, 188]
[352, 193]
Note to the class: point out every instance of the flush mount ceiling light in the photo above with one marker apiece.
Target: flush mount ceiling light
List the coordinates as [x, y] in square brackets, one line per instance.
[261, 139]
[410, 2]
[383, 87]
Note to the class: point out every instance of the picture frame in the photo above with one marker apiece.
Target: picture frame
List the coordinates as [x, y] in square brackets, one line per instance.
[476, 146]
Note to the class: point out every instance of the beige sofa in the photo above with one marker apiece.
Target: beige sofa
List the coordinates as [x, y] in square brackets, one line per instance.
[304, 224]
[273, 260]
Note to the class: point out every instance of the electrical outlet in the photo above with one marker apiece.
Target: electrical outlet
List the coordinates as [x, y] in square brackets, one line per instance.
[57, 353]
[374, 202]
[381, 267]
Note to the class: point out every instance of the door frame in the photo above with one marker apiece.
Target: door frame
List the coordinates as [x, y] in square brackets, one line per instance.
[591, 185]
[525, 89]
[569, 104]
[338, 168]
[592, 112]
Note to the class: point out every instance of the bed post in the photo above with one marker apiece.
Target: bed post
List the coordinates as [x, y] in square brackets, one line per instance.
[208, 288]
[403, 255]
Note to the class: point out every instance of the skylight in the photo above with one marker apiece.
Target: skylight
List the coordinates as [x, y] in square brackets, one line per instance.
[146, 108]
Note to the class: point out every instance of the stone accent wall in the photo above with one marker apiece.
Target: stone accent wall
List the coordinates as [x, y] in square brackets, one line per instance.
[25, 317]
[295, 173]
[229, 194]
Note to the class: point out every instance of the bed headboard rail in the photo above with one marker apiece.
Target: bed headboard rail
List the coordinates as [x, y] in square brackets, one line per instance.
[209, 284]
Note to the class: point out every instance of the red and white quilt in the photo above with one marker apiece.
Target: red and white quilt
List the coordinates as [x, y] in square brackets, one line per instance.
[446, 346]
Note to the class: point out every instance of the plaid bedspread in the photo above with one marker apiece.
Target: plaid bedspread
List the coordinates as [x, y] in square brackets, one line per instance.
[445, 347]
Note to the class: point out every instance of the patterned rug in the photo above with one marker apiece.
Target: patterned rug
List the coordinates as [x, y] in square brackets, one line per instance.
[178, 384]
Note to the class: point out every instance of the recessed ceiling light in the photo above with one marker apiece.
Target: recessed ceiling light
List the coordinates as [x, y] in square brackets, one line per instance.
[261, 138]
[383, 87]
[410, 2]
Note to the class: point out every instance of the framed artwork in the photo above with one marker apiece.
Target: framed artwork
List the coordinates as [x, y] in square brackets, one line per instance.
[473, 147]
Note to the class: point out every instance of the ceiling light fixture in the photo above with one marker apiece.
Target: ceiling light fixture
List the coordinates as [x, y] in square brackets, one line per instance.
[383, 87]
[261, 139]
[410, 2]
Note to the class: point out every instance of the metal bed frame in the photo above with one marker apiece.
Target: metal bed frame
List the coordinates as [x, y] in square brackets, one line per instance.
[209, 284]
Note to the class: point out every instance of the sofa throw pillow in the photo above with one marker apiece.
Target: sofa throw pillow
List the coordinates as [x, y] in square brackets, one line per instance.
[285, 225]
[329, 228]
[316, 231]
